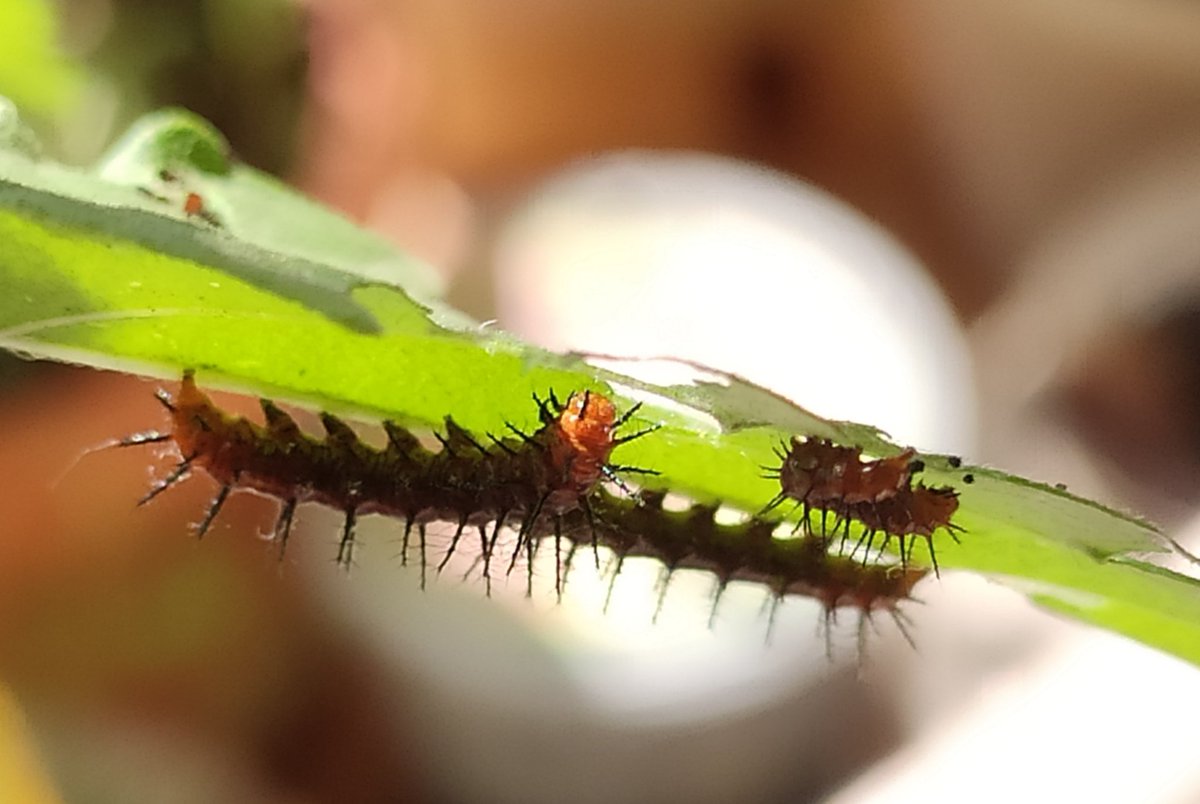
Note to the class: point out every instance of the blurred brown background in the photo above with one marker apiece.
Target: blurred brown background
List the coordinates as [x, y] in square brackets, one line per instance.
[1041, 158]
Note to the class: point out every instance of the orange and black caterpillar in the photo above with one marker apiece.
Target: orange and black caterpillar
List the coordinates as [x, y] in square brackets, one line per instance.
[879, 495]
[542, 484]
[750, 550]
[524, 479]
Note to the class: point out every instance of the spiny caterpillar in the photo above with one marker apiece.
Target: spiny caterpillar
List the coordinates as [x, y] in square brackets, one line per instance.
[551, 483]
[879, 495]
[525, 479]
[751, 550]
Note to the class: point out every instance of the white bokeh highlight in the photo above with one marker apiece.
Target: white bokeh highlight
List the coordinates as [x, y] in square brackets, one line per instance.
[750, 272]
[745, 270]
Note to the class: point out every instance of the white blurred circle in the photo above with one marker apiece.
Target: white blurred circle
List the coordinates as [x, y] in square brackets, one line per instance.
[748, 271]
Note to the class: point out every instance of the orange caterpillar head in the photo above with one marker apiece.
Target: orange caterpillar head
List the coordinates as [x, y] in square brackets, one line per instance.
[580, 439]
[200, 430]
[581, 435]
[587, 423]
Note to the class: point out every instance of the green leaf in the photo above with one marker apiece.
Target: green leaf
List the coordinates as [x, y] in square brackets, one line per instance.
[262, 290]
[33, 71]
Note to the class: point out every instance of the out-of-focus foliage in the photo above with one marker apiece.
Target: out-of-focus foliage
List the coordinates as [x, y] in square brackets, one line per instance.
[82, 72]
[239, 63]
[34, 73]
[21, 776]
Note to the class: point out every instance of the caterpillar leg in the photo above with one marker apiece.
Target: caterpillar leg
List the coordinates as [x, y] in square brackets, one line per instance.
[485, 555]
[612, 581]
[933, 557]
[569, 561]
[772, 504]
[905, 548]
[903, 624]
[178, 473]
[345, 554]
[634, 436]
[164, 398]
[476, 563]
[213, 509]
[626, 416]
[138, 439]
[521, 434]
[530, 548]
[525, 537]
[609, 471]
[591, 520]
[283, 525]
[664, 582]
[488, 547]
[865, 620]
[499, 444]
[865, 541]
[774, 601]
[558, 565]
[718, 593]
[484, 559]
[424, 558]
[458, 532]
[830, 620]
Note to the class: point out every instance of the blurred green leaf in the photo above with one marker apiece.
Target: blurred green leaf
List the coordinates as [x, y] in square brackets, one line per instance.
[33, 71]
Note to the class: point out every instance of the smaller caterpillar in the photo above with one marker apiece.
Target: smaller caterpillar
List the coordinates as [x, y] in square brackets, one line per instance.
[819, 473]
[878, 494]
